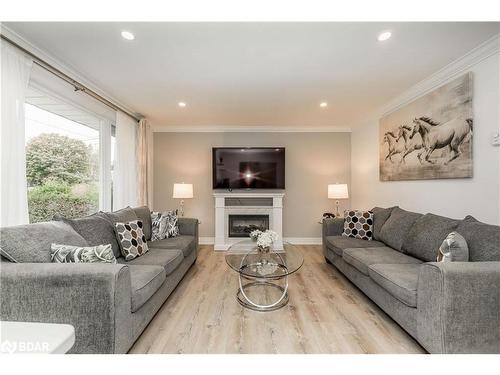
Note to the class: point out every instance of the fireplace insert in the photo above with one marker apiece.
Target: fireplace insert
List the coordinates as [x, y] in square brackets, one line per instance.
[242, 225]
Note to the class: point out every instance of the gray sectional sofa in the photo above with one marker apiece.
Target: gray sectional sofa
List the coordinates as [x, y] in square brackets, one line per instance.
[108, 304]
[449, 307]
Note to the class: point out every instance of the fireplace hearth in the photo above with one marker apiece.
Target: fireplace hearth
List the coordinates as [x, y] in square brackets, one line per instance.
[242, 225]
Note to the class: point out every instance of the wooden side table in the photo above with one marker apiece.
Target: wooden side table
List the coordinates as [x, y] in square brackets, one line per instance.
[39, 338]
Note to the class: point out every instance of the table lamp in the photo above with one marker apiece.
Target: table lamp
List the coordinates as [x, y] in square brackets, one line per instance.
[183, 191]
[338, 191]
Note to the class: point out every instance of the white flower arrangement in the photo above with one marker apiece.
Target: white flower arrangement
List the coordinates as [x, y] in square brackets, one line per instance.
[254, 235]
[266, 239]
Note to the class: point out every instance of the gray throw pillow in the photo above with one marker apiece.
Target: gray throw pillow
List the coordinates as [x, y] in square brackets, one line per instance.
[453, 249]
[97, 229]
[74, 254]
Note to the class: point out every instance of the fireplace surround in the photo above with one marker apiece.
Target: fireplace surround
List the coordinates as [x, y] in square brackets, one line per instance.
[251, 203]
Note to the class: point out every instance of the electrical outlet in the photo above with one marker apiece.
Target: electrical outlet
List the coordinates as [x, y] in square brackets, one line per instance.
[496, 139]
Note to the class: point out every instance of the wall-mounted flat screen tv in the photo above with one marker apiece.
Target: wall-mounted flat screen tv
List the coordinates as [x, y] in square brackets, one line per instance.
[248, 167]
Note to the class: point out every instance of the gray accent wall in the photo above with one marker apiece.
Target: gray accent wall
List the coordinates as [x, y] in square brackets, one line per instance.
[313, 160]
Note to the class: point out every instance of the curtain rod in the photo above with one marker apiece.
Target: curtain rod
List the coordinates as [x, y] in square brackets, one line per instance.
[77, 85]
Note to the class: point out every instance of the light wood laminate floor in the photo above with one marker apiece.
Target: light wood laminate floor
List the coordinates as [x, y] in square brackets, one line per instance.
[326, 314]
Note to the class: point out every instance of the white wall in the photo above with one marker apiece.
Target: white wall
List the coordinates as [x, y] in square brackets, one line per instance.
[478, 196]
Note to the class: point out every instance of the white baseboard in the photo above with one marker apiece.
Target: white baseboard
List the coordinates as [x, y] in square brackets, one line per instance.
[303, 240]
[207, 240]
[292, 240]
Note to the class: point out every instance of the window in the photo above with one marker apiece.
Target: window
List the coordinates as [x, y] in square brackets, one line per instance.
[64, 159]
[62, 166]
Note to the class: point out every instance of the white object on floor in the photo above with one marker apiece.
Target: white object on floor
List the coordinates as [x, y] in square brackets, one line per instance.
[36, 338]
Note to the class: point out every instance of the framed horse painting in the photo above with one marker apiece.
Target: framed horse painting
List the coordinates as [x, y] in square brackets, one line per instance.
[430, 137]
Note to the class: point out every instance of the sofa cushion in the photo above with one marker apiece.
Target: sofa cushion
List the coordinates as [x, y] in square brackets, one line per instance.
[145, 281]
[168, 259]
[31, 243]
[362, 258]
[426, 235]
[96, 229]
[400, 280]
[144, 214]
[338, 243]
[380, 216]
[482, 239]
[121, 216]
[396, 227]
[185, 243]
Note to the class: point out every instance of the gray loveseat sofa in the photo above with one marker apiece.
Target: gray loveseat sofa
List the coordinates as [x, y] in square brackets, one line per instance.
[447, 307]
[108, 304]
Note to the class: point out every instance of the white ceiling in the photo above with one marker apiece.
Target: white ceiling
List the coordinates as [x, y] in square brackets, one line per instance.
[255, 74]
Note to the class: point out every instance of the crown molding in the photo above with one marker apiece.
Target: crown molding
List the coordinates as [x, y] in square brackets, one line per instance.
[63, 67]
[449, 72]
[249, 129]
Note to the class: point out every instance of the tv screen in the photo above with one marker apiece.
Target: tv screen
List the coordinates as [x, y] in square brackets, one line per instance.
[248, 168]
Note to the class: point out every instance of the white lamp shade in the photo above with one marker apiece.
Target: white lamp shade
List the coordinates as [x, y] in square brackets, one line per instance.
[183, 191]
[338, 191]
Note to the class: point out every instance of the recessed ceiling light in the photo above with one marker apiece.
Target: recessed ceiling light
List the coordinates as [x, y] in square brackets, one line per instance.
[181, 104]
[128, 35]
[384, 36]
[323, 104]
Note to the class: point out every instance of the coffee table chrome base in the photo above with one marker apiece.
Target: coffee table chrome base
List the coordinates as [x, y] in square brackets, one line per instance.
[245, 301]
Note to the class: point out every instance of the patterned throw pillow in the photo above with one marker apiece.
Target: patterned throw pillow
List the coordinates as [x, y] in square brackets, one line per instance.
[131, 238]
[158, 226]
[358, 224]
[77, 254]
[164, 225]
[172, 224]
[453, 249]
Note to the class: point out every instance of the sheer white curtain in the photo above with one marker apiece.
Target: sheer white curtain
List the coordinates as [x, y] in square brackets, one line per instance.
[15, 73]
[144, 163]
[125, 170]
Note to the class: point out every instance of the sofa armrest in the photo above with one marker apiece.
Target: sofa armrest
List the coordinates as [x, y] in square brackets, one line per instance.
[458, 307]
[91, 297]
[333, 226]
[188, 226]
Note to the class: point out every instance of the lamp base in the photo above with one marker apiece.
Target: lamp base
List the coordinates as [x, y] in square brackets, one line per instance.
[181, 209]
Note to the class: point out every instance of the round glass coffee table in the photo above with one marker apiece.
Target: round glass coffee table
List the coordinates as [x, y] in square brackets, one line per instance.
[263, 277]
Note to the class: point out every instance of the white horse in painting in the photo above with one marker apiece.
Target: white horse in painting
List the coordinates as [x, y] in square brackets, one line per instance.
[395, 145]
[411, 144]
[435, 135]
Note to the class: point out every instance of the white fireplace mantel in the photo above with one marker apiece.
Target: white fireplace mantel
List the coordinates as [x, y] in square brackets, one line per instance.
[222, 212]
